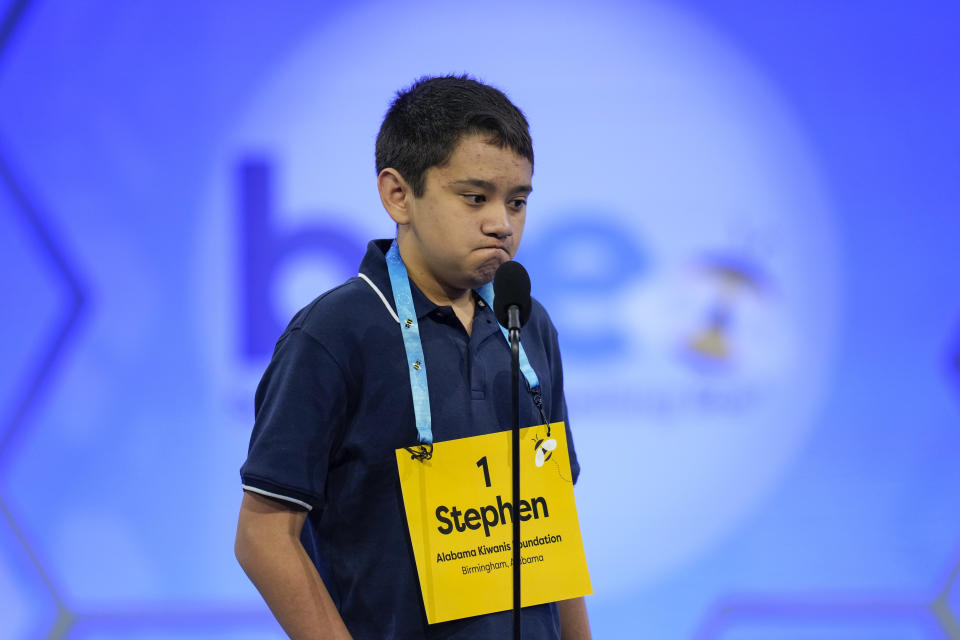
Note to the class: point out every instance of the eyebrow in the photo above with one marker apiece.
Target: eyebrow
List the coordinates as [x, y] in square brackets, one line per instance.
[489, 186]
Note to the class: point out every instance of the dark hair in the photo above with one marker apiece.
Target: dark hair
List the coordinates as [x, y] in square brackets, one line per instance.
[426, 122]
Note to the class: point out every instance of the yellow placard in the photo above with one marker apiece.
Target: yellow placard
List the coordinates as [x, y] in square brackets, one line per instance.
[458, 506]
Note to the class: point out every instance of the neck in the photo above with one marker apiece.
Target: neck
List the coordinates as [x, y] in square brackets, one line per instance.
[437, 292]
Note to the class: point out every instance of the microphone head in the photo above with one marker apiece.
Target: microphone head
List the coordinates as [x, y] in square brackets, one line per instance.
[511, 286]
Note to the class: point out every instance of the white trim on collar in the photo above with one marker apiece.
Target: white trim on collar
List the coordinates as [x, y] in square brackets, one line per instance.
[382, 297]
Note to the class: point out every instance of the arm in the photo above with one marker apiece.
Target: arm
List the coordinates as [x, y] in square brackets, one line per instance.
[269, 550]
[573, 619]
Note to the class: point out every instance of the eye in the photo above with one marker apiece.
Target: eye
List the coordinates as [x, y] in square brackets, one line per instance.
[518, 203]
[475, 198]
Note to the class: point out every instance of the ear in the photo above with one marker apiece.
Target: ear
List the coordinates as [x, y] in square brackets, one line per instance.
[395, 194]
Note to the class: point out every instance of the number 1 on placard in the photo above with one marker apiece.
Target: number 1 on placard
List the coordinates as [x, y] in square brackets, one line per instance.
[482, 463]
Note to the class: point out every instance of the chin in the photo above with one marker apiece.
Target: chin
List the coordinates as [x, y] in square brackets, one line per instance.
[486, 271]
[487, 268]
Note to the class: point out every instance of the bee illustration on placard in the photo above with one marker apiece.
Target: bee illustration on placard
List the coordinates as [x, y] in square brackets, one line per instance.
[544, 448]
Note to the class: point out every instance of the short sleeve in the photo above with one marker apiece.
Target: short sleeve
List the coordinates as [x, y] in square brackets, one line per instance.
[558, 398]
[300, 409]
[574, 461]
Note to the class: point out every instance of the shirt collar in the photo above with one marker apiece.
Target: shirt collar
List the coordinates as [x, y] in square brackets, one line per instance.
[374, 266]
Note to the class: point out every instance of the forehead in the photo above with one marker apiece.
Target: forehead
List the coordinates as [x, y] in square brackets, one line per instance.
[475, 157]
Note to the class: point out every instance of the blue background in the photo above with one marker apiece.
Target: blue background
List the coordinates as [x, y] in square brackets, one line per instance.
[126, 388]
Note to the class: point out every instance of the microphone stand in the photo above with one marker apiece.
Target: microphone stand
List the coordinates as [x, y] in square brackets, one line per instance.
[513, 325]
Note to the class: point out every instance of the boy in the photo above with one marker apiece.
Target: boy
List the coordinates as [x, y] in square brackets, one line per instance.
[454, 161]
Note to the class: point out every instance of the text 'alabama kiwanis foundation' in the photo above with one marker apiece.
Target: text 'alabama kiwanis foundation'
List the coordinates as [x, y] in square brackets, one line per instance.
[491, 549]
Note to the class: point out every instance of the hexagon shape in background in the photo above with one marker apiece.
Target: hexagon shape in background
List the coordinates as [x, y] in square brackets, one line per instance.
[823, 619]
[207, 623]
[28, 609]
[953, 364]
[115, 633]
[834, 630]
[38, 297]
[947, 605]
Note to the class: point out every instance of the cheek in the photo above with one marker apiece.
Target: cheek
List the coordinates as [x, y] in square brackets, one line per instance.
[518, 226]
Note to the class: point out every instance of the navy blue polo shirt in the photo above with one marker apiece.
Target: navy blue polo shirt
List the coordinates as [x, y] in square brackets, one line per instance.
[333, 406]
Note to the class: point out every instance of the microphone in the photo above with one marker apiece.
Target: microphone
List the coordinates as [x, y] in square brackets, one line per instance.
[511, 304]
[511, 292]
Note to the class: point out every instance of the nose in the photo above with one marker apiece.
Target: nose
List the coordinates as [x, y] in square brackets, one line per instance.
[498, 222]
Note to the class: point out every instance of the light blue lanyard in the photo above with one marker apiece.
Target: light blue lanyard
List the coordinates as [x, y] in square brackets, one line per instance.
[410, 328]
[486, 292]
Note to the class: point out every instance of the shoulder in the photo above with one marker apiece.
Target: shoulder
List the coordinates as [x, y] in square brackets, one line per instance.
[540, 329]
[346, 310]
[329, 333]
[540, 320]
